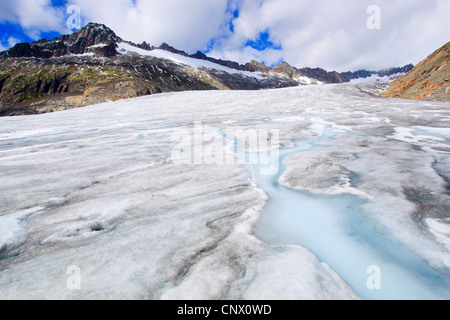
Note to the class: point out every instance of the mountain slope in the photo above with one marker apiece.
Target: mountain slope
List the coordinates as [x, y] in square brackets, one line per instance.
[319, 75]
[429, 80]
[94, 65]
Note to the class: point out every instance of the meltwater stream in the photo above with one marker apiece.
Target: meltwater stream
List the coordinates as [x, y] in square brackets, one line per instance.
[335, 229]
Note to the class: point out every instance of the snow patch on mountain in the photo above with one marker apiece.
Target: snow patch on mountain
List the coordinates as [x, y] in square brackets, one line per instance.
[125, 48]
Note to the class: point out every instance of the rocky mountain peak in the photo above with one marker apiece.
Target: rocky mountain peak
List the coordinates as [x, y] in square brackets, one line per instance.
[430, 79]
[144, 45]
[287, 70]
[93, 34]
[66, 73]
[255, 66]
[94, 37]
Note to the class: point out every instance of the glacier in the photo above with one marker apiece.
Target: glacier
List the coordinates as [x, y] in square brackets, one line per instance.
[363, 181]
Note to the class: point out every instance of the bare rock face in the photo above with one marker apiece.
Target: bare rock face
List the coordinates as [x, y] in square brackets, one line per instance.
[395, 72]
[30, 86]
[429, 80]
[93, 35]
[102, 50]
[255, 66]
[226, 63]
[144, 45]
[86, 68]
[289, 71]
[20, 50]
[94, 38]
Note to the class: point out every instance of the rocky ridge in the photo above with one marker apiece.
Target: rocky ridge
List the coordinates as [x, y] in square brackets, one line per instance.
[89, 67]
[86, 68]
[429, 80]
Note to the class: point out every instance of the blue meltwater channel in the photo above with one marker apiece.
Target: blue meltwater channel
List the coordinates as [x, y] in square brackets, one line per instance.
[338, 232]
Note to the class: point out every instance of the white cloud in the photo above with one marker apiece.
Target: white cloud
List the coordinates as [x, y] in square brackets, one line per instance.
[188, 25]
[35, 16]
[331, 34]
[6, 44]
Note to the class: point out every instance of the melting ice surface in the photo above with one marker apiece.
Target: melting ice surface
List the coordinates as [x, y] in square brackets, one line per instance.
[335, 230]
[97, 188]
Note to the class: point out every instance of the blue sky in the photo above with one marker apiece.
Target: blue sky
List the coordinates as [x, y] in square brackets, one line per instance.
[331, 34]
[13, 30]
[15, 33]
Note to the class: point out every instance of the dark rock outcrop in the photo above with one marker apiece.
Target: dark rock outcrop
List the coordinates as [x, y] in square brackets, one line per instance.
[39, 86]
[287, 70]
[348, 76]
[102, 50]
[92, 35]
[66, 73]
[226, 63]
[255, 66]
[144, 45]
[164, 46]
[96, 38]
[322, 75]
[392, 71]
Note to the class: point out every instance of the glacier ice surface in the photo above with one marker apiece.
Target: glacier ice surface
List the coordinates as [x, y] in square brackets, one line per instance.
[96, 188]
